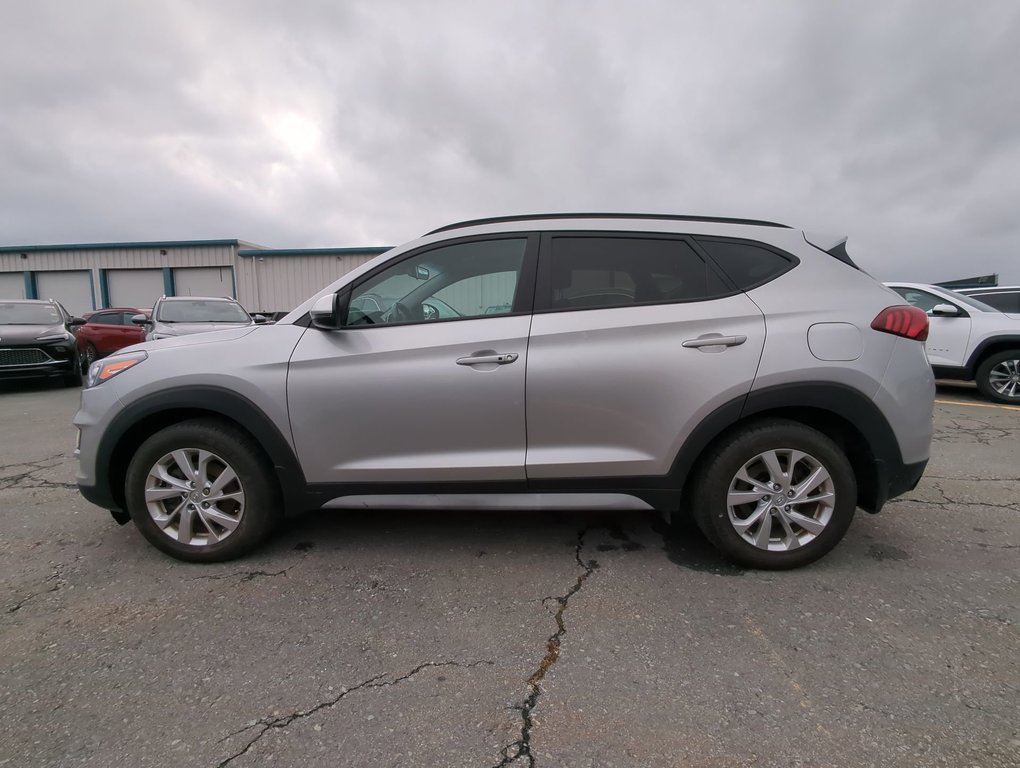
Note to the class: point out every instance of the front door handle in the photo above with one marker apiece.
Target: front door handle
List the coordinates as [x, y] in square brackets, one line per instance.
[509, 357]
[715, 340]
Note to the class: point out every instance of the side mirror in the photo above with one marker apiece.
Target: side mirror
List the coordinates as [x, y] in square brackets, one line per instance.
[139, 320]
[945, 310]
[76, 322]
[323, 313]
[260, 319]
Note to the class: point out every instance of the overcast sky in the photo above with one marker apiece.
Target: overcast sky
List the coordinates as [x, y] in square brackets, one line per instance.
[337, 123]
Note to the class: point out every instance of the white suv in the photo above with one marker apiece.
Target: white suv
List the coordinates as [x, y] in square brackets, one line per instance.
[969, 340]
[736, 370]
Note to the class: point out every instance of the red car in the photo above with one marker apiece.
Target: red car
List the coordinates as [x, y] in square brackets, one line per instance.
[107, 330]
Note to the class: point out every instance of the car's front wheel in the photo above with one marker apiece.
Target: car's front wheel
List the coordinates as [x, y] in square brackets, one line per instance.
[202, 491]
[998, 377]
[775, 495]
[89, 355]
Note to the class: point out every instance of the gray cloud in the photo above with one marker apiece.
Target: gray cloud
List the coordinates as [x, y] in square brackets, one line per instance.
[323, 123]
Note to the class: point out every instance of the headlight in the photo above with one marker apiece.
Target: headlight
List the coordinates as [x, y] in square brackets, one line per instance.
[104, 370]
[62, 336]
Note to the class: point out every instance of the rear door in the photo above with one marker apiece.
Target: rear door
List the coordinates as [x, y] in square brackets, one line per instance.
[635, 339]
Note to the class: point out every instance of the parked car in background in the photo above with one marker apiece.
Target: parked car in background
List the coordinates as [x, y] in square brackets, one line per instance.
[37, 340]
[969, 340]
[184, 315]
[739, 371]
[107, 330]
[1005, 298]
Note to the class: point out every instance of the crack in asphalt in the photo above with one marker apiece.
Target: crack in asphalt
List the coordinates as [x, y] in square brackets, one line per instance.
[57, 577]
[983, 433]
[521, 747]
[971, 479]
[278, 723]
[39, 465]
[245, 575]
[250, 575]
[946, 502]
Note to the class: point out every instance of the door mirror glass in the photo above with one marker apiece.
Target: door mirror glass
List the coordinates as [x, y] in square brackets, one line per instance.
[945, 310]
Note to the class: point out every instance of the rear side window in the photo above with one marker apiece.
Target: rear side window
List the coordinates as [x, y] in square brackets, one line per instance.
[1003, 301]
[747, 264]
[608, 271]
[106, 318]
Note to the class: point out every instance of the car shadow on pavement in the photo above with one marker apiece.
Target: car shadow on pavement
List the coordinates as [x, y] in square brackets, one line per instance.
[484, 531]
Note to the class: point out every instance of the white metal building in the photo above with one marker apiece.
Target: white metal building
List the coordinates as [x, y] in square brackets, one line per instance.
[87, 276]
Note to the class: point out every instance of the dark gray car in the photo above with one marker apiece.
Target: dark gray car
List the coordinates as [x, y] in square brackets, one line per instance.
[37, 340]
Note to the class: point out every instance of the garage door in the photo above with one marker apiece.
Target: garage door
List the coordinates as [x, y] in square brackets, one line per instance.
[73, 289]
[204, 281]
[12, 285]
[134, 287]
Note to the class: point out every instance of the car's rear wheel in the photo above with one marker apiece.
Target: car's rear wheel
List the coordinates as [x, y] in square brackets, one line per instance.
[202, 491]
[775, 495]
[998, 377]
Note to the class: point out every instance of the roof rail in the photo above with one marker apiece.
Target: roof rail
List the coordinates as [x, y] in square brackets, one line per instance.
[650, 216]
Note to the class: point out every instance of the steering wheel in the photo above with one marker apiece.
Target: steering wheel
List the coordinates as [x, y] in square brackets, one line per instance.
[401, 313]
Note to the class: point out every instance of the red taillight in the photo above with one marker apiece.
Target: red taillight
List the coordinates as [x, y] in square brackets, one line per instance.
[906, 321]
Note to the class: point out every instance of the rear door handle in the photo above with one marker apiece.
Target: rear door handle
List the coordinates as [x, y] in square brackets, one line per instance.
[488, 359]
[715, 340]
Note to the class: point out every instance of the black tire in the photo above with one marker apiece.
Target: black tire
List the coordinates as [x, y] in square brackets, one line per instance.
[73, 378]
[89, 356]
[717, 472]
[233, 449]
[1003, 366]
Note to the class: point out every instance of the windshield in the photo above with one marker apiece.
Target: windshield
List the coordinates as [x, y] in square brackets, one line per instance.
[201, 311]
[29, 314]
[970, 301]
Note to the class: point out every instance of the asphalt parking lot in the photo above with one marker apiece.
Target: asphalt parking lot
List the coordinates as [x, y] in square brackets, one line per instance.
[511, 640]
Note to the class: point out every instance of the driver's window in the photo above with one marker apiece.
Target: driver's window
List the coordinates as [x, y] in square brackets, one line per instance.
[920, 299]
[465, 280]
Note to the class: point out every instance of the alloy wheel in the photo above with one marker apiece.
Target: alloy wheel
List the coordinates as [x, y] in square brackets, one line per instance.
[781, 500]
[194, 497]
[1004, 378]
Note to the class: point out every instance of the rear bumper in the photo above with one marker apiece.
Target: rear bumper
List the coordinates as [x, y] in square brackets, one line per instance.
[893, 480]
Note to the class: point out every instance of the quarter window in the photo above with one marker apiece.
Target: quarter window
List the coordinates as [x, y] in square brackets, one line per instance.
[746, 264]
[600, 272]
[461, 281]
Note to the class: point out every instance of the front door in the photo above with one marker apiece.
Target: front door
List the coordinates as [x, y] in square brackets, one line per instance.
[425, 380]
[948, 335]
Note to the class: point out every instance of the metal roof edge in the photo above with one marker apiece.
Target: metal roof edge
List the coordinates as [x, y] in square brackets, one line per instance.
[620, 216]
[111, 246]
[371, 250]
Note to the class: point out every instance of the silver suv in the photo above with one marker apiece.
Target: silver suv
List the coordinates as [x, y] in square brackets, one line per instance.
[740, 371]
[184, 315]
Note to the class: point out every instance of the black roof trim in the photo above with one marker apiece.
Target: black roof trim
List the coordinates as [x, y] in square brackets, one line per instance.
[648, 216]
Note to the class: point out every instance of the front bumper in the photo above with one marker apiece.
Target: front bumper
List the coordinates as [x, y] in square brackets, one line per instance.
[37, 359]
